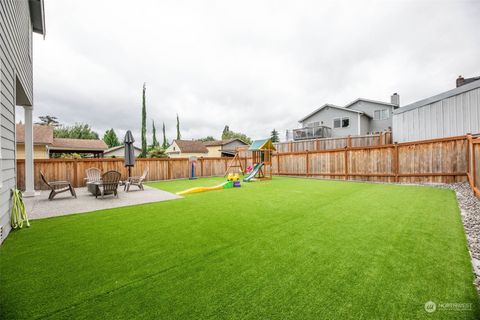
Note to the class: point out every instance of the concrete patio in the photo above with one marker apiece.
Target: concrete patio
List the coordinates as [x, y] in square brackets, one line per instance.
[40, 207]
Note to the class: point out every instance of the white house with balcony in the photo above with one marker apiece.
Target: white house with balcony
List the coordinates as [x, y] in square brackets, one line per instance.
[359, 117]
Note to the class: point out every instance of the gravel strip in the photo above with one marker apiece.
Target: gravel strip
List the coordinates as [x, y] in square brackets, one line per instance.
[470, 212]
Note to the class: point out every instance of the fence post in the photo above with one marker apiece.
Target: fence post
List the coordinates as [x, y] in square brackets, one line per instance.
[290, 146]
[75, 173]
[396, 162]
[474, 167]
[381, 138]
[346, 162]
[278, 163]
[307, 164]
[168, 169]
[201, 166]
[349, 141]
[468, 137]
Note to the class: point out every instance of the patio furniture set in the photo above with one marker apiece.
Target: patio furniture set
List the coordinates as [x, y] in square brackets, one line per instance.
[98, 184]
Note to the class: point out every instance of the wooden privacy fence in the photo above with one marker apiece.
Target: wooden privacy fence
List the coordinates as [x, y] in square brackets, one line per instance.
[73, 170]
[428, 161]
[381, 138]
[446, 160]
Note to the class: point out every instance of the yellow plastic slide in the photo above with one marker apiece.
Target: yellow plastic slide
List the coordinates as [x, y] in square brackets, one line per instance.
[201, 189]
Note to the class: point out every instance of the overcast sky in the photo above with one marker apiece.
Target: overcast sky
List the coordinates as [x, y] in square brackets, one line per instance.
[254, 65]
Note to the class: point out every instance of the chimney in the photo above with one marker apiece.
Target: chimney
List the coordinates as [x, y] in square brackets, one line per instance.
[460, 81]
[395, 99]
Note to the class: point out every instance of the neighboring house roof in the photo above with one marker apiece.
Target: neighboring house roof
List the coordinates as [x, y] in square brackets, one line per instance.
[119, 147]
[441, 96]
[78, 144]
[372, 101]
[191, 146]
[37, 16]
[461, 81]
[330, 106]
[265, 144]
[222, 142]
[41, 134]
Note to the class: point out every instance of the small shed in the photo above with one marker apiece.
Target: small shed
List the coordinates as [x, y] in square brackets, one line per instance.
[262, 153]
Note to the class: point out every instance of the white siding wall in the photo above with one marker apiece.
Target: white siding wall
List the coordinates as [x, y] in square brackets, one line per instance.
[15, 73]
[453, 116]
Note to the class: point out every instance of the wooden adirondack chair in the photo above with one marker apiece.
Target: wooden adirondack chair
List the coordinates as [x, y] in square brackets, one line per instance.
[109, 183]
[57, 187]
[136, 181]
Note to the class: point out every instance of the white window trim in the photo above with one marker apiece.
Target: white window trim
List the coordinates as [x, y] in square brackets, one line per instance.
[381, 113]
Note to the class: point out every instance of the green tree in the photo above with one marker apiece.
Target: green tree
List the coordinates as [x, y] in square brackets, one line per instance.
[207, 138]
[154, 136]
[228, 134]
[110, 138]
[274, 136]
[179, 136]
[77, 131]
[165, 144]
[143, 153]
[157, 152]
[48, 121]
[225, 131]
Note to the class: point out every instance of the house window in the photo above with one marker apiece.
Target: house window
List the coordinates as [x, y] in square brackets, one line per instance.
[341, 123]
[313, 124]
[381, 114]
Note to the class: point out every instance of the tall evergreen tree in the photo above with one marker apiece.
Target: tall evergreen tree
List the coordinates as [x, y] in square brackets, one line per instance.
[179, 136]
[165, 143]
[154, 136]
[274, 136]
[143, 153]
[225, 131]
[110, 138]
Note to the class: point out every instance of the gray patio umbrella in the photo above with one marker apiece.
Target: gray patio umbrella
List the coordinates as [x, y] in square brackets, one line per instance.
[129, 151]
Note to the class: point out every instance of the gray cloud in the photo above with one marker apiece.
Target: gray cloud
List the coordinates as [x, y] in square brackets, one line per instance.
[253, 65]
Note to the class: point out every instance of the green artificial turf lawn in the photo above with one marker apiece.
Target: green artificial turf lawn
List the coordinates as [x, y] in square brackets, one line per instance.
[282, 249]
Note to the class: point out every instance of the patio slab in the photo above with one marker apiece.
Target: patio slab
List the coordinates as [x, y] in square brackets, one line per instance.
[40, 207]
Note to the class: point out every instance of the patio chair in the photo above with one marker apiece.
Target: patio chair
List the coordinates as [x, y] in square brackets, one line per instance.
[136, 181]
[57, 187]
[93, 175]
[109, 184]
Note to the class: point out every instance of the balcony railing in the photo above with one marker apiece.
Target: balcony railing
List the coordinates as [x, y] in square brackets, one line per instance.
[312, 133]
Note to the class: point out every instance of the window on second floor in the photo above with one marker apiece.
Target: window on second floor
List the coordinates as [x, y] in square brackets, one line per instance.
[341, 123]
[313, 124]
[381, 114]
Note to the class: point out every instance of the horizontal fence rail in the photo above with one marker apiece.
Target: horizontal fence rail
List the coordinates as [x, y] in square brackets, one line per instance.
[445, 160]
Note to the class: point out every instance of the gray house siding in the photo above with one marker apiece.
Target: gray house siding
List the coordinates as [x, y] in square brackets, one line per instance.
[369, 108]
[326, 115]
[440, 117]
[233, 145]
[15, 89]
